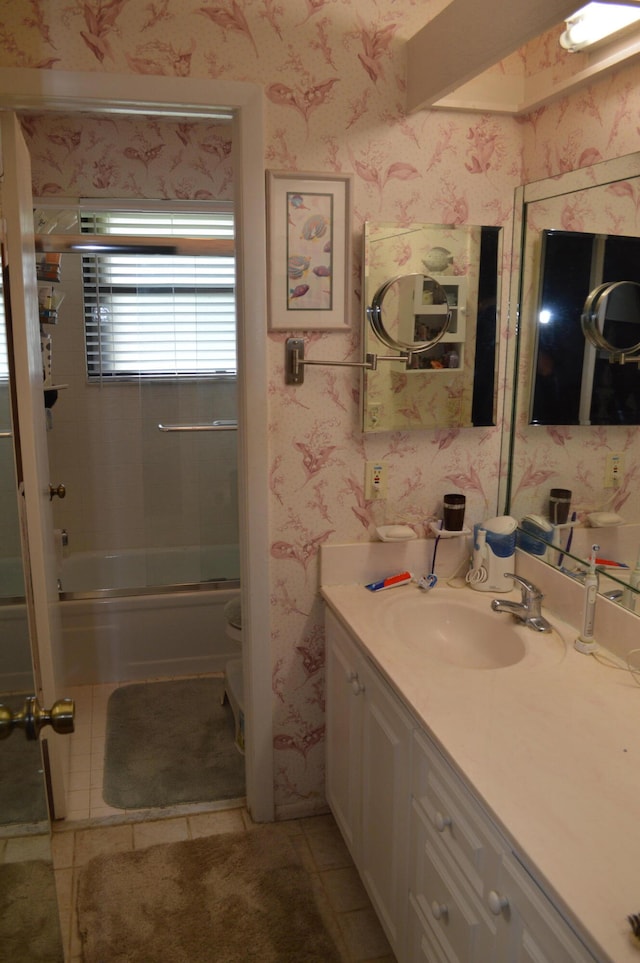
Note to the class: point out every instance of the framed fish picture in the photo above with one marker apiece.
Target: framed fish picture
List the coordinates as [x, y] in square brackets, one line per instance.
[309, 250]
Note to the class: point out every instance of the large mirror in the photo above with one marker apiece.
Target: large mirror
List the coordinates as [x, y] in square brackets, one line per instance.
[577, 380]
[588, 447]
[451, 384]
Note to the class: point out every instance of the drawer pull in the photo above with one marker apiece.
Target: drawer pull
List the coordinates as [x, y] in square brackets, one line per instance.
[497, 903]
[441, 822]
[356, 685]
[439, 911]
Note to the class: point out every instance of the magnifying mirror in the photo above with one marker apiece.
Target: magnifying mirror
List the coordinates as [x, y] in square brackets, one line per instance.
[411, 313]
[611, 319]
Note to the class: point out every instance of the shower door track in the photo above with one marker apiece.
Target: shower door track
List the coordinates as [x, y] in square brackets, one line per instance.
[215, 585]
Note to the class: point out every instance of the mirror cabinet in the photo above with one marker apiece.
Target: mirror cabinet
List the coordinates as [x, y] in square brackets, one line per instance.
[441, 378]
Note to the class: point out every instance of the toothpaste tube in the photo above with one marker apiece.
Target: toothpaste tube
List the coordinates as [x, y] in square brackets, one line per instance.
[390, 582]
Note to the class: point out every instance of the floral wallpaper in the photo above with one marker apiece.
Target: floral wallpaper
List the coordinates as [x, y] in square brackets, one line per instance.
[333, 79]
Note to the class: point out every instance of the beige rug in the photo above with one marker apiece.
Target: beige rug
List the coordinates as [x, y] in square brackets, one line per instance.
[29, 925]
[232, 898]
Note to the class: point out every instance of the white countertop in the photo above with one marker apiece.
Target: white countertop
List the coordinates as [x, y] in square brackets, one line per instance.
[550, 745]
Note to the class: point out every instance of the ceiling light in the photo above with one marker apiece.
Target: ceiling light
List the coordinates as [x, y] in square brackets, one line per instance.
[595, 22]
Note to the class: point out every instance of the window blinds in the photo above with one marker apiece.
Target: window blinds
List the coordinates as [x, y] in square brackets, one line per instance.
[156, 315]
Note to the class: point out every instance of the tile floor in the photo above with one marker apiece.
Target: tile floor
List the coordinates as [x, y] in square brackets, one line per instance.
[92, 827]
[341, 896]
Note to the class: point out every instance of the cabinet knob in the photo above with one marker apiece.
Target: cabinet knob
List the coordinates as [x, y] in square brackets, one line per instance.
[497, 903]
[439, 911]
[441, 822]
[355, 683]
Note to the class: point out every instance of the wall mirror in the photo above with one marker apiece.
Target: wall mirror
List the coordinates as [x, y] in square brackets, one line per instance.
[452, 383]
[594, 210]
[574, 381]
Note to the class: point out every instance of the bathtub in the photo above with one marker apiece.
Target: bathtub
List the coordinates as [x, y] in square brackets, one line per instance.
[124, 633]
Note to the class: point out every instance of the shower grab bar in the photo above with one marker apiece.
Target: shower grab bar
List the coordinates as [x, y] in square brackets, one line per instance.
[212, 426]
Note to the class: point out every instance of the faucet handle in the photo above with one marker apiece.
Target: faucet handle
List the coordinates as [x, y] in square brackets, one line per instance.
[528, 589]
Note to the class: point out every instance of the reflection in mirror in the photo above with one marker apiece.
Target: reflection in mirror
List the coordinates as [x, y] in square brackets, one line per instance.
[575, 382]
[452, 383]
[595, 209]
[611, 320]
[411, 313]
[615, 582]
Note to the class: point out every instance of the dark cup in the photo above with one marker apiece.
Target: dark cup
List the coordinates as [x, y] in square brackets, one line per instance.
[453, 512]
[559, 505]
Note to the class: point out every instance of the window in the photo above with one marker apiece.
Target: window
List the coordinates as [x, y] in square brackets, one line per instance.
[159, 316]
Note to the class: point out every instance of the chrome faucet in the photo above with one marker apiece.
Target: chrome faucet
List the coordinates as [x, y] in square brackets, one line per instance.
[527, 610]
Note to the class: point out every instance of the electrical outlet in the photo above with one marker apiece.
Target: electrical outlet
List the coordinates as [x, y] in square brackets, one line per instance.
[613, 469]
[375, 480]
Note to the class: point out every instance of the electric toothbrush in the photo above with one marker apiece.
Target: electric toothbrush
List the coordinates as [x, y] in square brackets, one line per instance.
[586, 640]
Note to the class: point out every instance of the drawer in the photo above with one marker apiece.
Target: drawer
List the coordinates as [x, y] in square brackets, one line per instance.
[450, 910]
[422, 945]
[466, 833]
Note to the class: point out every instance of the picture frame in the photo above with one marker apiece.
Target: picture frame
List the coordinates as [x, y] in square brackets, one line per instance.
[309, 250]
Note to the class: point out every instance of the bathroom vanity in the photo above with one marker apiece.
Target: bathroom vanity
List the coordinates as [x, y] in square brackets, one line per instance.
[491, 809]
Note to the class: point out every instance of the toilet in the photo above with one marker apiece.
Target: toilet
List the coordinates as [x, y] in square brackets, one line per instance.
[233, 680]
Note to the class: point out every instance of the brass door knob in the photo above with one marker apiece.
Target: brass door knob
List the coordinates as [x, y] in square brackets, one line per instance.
[32, 718]
[58, 490]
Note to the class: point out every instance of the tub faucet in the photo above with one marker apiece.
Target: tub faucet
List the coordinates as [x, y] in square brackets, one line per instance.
[527, 610]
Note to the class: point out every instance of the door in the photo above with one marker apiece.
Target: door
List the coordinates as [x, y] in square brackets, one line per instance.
[29, 428]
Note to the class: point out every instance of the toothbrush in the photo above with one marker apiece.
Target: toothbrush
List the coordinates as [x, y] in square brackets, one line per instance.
[574, 515]
[586, 641]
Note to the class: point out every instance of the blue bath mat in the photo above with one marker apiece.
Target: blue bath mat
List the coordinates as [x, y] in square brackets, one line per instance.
[170, 743]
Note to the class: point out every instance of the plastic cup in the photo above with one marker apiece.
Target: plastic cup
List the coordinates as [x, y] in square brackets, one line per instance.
[453, 512]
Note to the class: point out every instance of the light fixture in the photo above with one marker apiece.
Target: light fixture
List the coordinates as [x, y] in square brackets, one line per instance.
[595, 22]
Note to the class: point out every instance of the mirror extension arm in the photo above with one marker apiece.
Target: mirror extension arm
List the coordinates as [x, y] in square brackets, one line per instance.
[294, 361]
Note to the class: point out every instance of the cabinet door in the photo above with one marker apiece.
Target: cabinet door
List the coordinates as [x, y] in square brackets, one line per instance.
[345, 696]
[386, 753]
[531, 929]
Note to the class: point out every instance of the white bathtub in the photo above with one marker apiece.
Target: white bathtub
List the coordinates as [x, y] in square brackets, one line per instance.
[173, 629]
[130, 568]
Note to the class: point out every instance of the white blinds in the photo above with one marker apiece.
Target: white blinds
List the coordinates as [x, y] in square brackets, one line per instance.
[158, 315]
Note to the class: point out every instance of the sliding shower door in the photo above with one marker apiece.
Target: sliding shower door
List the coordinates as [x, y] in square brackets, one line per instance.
[147, 446]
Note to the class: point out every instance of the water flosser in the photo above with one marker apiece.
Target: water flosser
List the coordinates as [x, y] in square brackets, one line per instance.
[586, 640]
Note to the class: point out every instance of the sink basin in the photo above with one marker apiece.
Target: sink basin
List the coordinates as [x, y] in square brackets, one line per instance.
[463, 632]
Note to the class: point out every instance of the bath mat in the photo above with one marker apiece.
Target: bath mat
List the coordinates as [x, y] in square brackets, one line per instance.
[22, 794]
[170, 743]
[29, 924]
[231, 898]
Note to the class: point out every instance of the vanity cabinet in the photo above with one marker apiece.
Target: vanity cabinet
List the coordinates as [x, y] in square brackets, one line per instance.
[368, 778]
[445, 882]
